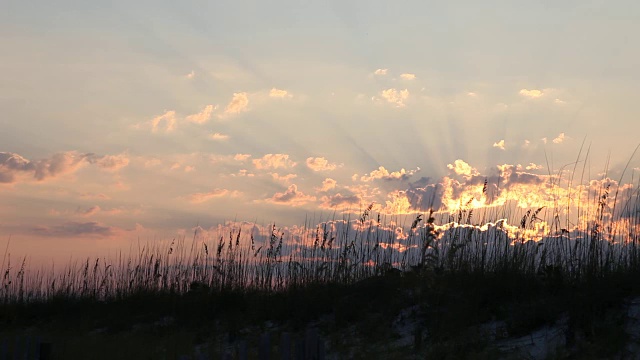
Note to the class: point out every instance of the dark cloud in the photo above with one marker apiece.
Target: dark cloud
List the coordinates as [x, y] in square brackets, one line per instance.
[73, 229]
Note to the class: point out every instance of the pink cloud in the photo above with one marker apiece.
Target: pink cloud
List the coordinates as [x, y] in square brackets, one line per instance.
[274, 161]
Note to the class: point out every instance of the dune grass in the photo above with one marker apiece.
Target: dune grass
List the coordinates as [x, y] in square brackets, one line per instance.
[579, 257]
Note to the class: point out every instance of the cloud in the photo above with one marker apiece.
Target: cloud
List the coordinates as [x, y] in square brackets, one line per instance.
[381, 72]
[460, 167]
[89, 212]
[203, 116]
[278, 93]
[533, 166]
[198, 198]
[190, 75]
[110, 162]
[559, 102]
[407, 76]
[94, 196]
[382, 173]
[218, 137]
[243, 172]
[559, 139]
[339, 201]
[73, 229]
[168, 119]
[292, 196]
[533, 94]
[241, 157]
[239, 103]
[320, 164]
[327, 184]
[283, 178]
[499, 144]
[274, 161]
[14, 167]
[396, 97]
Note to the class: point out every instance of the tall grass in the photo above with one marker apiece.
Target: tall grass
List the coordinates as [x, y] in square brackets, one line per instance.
[591, 234]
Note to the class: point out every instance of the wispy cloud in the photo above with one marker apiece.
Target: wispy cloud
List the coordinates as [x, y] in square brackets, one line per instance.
[109, 162]
[381, 72]
[198, 198]
[241, 157]
[407, 76]
[203, 116]
[285, 179]
[219, 137]
[499, 144]
[320, 164]
[274, 161]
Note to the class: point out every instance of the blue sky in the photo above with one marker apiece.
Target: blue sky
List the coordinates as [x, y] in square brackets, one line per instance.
[121, 120]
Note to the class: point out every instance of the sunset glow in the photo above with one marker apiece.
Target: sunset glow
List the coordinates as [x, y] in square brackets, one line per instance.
[129, 123]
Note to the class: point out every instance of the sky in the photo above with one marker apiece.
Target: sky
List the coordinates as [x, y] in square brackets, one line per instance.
[126, 121]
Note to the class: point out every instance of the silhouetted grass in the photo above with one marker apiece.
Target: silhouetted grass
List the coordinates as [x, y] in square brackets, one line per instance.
[462, 268]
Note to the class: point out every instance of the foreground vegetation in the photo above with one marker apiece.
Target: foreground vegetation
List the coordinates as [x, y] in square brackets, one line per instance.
[353, 279]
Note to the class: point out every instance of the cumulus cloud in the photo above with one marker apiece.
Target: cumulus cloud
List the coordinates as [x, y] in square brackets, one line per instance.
[382, 173]
[292, 196]
[460, 167]
[274, 161]
[198, 198]
[327, 184]
[499, 144]
[243, 172]
[320, 164]
[278, 93]
[203, 116]
[13, 166]
[407, 76]
[396, 97]
[168, 119]
[533, 166]
[381, 72]
[241, 157]
[533, 94]
[239, 103]
[219, 137]
[559, 139]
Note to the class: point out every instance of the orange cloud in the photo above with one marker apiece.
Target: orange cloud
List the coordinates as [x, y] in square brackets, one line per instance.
[327, 184]
[110, 162]
[499, 144]
[169, 120]
[283, 178]
[382, 173]
[407, 76]
[239, 103]
[462, 168]
[203, 116]
[559, 139]
[396, 97]
[532, 94]
[198, 198]
[278, 93]
[320, 164]
[274, 161]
